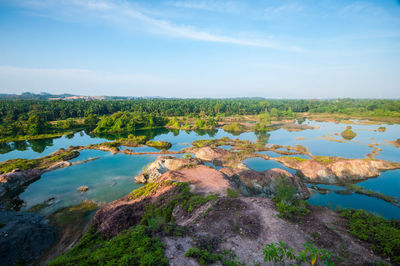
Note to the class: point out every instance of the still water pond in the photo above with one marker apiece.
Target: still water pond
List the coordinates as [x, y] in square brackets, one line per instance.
[111, 176]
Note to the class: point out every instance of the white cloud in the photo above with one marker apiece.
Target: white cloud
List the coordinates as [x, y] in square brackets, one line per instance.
[289, 8]
[209, 5]
[118, 12]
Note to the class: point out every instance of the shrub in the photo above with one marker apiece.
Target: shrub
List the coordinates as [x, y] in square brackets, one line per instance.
[348, 133]
[278, 252]
[289, 206]
[383, 234]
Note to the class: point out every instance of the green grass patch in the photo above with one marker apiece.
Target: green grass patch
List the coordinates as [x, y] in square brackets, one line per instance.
[348, 133]
[40, 163]
[294, 158]
[383, 234]
[288, 205]
[161, 145]
[145, 190]
[230, 193]
[133, 247]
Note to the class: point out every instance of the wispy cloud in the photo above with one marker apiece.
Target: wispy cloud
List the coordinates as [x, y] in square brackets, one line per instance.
[278, 10]
[209, 5]
[124, 12]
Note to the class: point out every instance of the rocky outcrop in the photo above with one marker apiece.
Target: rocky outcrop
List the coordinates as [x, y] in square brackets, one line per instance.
[210, 154]
[265, 184]
[162, 165]
[297, 127]
[12, 183]
[242, 225]
[338, 170]
[23, 237]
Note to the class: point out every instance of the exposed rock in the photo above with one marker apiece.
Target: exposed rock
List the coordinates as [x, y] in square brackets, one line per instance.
[297, 127]
[242, 225]
[203, 179]
[123, 213]
[12, 183]
[265, 184]
[23, 237]
[83, 188]
[57, 165]
[162, 165]
[338, 171]
[210, 154]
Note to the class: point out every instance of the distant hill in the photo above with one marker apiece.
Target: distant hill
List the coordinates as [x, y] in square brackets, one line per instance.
[47, 96]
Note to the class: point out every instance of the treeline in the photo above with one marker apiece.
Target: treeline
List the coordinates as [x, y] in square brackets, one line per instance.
[58, 110]
[32, 117]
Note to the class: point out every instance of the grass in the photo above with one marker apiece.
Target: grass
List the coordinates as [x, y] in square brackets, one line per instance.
[230, 193]
[133, 247]
[36, 137]
[145, 190]
[234, 127]
[326, 159]
[161, 145]
[133, 141]
[139, 244]
[72, 215]
[348, 133]
[40, 163]
[383, 234]
[295, 158]
[22, 164]
[370, 193]
[207, 255]
[287, 204]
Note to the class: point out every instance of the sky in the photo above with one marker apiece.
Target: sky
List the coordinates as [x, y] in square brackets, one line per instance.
[204, 48]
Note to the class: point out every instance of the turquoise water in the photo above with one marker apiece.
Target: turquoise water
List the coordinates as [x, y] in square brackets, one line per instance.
[39, 148]
[108, 178]
[259, 164]
[356, 201]
[111, 176]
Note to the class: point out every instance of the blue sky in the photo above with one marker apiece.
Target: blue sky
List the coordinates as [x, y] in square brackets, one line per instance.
[205, 48]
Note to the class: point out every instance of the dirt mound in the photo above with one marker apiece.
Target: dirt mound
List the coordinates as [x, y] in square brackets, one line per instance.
[203, 179]
[162, 165]
[265, 184]
[210, 154]
[338, 170]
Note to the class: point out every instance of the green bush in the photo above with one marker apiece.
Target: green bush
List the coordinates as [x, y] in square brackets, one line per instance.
[133, 247]
[383, 234]
[289, 206]
[278, 252]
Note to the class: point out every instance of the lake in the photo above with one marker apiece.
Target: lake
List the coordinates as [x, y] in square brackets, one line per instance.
[111, 176]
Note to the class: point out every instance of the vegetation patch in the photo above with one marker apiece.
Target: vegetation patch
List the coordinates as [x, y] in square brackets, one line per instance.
[133, 141]
[234, 127]
[383, 234]
[40, 163]
[161, 145]
[230, 193]
[288, 205]
[360, 190]
[278, 252]
[348, 134]
[294, 158]
[133, 247]
[326, 159]
[121, 122]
